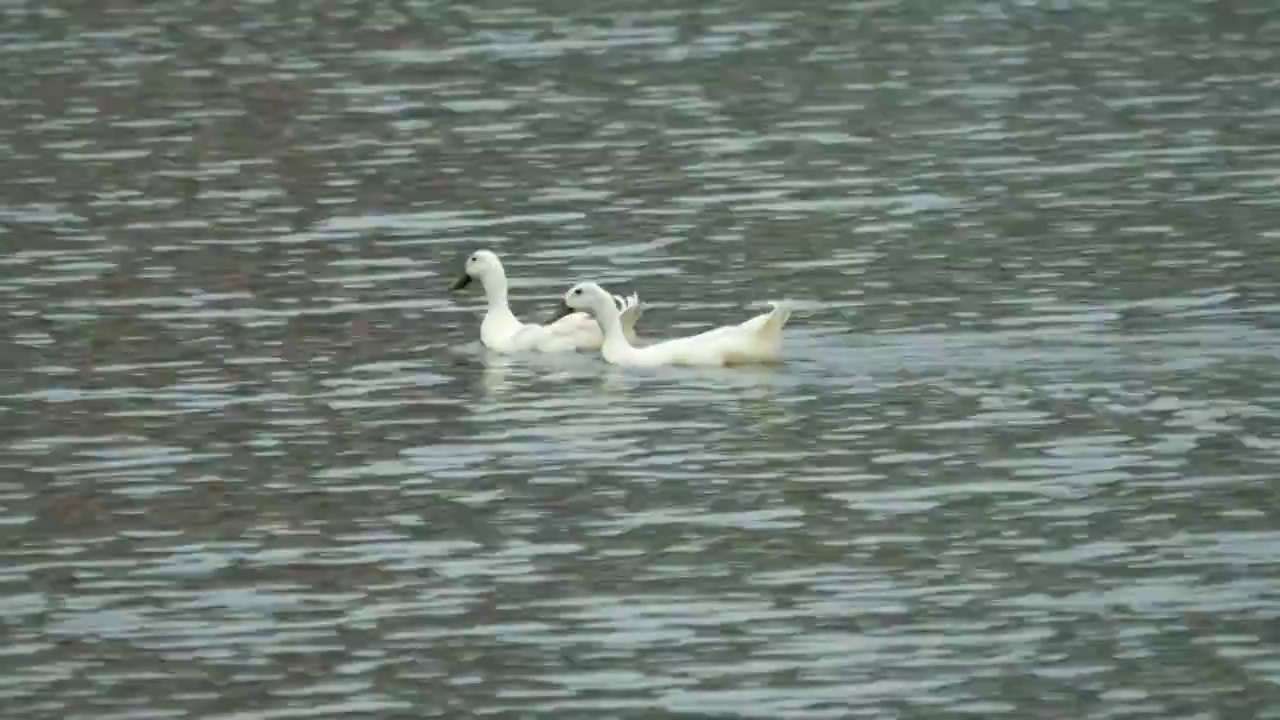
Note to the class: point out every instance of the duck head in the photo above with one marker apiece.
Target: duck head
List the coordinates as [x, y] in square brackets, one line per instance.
[481, 265]
[585, 297]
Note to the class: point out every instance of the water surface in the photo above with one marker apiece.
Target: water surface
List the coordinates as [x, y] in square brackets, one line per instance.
[1021, 461]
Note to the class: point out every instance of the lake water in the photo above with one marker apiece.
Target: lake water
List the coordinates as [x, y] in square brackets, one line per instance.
[1022, 460]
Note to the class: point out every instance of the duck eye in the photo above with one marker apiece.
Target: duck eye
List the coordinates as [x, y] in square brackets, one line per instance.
[475, 258]
[577, 291]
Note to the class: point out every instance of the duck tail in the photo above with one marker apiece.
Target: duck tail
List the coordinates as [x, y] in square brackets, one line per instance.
[632, 309]
[776, 318]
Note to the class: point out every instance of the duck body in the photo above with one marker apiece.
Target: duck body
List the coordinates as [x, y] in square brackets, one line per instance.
[757, 340]
[501, 331]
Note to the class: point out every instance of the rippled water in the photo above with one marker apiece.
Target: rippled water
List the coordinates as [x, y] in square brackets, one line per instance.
[1022, 461]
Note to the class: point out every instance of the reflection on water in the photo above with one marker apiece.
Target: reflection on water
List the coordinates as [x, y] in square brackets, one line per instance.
[1020, 461]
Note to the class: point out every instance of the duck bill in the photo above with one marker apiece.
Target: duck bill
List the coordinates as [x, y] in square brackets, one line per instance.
[461, 282]
[560, 312]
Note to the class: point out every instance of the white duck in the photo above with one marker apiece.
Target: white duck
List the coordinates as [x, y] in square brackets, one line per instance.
[501, 331]
[756, 341]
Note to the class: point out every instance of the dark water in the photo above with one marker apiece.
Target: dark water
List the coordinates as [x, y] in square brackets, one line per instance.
[1022, 463]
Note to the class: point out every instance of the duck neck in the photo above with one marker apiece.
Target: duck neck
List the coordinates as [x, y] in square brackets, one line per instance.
[610, 321]
[495, 290]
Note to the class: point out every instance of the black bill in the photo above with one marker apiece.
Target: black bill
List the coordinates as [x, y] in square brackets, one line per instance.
[560, 312]
[461, 282]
